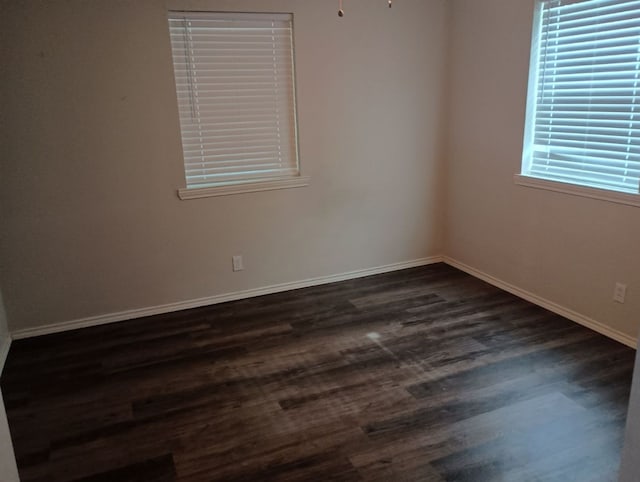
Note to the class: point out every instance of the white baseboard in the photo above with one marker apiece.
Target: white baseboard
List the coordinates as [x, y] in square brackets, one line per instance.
[544, 303]
[212, 300]
[5, 344]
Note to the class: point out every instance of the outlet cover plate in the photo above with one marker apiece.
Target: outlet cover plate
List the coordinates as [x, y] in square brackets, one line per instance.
[237, 263]
[619, 293]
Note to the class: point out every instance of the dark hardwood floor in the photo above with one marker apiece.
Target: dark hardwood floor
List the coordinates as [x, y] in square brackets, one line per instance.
[424, 374]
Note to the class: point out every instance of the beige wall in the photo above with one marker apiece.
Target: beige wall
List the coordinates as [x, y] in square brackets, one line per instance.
[8, 468]
[630, 465]
[91, 157]
[4, 329]
[569, 250]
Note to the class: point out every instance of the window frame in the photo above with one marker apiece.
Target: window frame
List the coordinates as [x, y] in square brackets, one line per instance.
[523, 178]
[258, 183]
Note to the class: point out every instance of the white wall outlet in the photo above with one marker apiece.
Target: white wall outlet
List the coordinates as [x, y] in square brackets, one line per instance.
[237, 263]
[619, 292]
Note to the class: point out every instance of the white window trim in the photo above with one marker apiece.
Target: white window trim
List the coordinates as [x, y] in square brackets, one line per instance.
[239, 188]
[577, 190]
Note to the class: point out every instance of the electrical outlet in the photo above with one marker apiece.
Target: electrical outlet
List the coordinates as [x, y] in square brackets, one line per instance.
[237, 263]
[619, 292]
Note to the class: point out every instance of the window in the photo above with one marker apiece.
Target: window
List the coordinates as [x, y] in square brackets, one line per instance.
[583, 111]
[234, 75]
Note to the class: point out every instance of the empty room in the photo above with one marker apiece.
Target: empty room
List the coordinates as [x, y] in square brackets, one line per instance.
[388, 240]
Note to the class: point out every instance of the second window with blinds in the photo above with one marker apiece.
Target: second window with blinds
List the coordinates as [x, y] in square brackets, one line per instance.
[234, 75]
[583, 113]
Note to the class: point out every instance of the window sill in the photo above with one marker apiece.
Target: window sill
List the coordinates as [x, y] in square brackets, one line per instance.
[575, 190]
[210, 191]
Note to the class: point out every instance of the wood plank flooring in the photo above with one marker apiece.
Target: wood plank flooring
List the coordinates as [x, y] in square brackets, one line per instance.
[425, 374]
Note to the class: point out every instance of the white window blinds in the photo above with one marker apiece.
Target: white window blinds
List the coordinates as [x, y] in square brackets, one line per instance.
[583, 114]
[235, 86]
